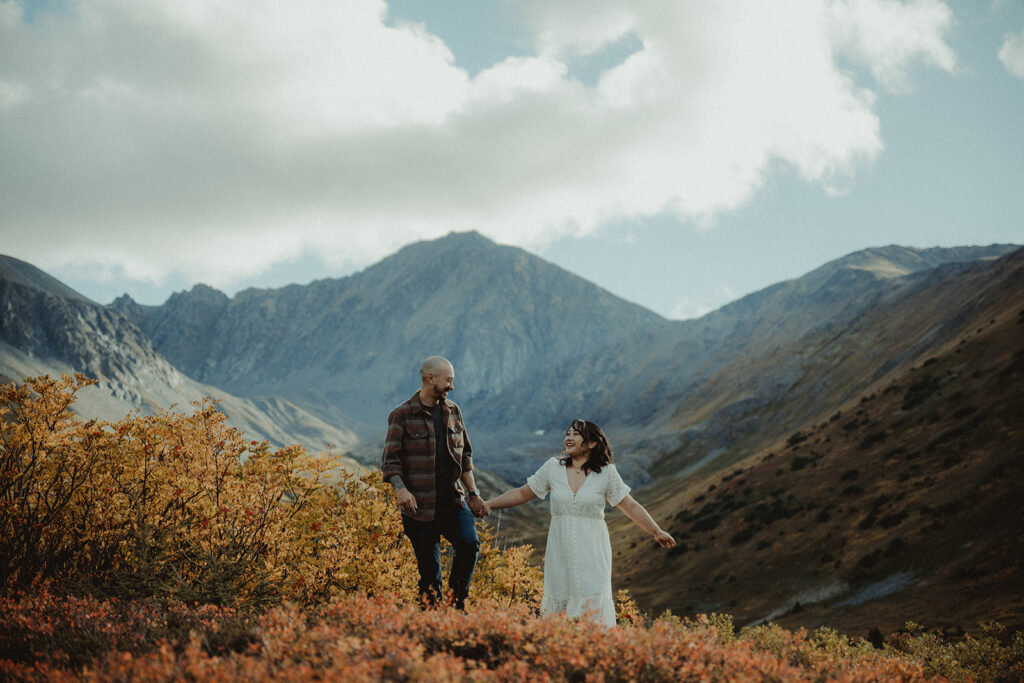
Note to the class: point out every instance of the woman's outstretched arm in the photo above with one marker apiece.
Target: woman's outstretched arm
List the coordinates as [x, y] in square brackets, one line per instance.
[512, 498]
[636, 512]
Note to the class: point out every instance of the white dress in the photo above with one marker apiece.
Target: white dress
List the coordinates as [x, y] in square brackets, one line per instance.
[578, 558]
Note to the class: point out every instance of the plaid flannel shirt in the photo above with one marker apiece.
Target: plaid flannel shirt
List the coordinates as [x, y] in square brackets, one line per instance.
[409, 451]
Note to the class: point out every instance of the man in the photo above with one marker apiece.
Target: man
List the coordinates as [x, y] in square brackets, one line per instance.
[429, 461]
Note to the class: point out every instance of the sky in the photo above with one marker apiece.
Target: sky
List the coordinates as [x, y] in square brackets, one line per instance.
[678, 154]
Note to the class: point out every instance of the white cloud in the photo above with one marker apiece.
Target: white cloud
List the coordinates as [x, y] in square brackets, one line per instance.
[1011, 54]
[889, 36]
[215, 139]
[12, 94]
[688, 309]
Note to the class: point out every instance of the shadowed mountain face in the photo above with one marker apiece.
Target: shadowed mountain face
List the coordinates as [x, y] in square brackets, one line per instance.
[899, 503]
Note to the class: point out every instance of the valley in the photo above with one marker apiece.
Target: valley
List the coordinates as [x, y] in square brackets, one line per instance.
[842, 448]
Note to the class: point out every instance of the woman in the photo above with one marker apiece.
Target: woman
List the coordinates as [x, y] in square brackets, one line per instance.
[578, 558]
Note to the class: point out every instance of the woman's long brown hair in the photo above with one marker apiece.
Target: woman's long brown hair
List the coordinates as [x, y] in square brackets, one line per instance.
[600, 454]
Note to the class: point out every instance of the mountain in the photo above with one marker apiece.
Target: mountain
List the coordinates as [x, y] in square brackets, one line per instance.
[48, 328]
[355, 343]
[531, 343]
[693, 391]
[807, 346]
[532, 346]
[866, 412]
[893, 492]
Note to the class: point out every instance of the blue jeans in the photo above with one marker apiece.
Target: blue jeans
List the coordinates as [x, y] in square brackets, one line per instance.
[455, 522]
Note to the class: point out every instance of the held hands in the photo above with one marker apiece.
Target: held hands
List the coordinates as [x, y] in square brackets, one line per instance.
[478, 506]
[664, 539]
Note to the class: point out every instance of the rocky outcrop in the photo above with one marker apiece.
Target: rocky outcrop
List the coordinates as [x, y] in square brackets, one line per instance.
[46, 321]
[47, 328]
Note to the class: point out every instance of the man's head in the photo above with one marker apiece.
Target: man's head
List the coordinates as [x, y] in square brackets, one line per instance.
[438, 377]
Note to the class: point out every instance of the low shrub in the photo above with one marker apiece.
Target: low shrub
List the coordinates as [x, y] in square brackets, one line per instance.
[920, 391]
[358, 638]
[182, 507]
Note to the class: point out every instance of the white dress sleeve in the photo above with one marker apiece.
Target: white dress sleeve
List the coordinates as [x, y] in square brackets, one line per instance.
[616, 489]
[540, 481]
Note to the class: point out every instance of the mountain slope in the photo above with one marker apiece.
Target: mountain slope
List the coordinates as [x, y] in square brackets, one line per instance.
[47, 328]
[697, 389]
[776, 382]
[900, 504]
[532, 346]
[497, 312]
[753, 386]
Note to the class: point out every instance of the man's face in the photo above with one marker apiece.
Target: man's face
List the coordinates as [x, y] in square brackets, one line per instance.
[443, 381]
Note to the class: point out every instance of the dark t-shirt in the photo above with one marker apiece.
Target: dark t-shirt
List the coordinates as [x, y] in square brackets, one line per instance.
[442, 460]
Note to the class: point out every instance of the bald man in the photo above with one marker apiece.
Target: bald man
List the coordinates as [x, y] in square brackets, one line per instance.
[429, 461]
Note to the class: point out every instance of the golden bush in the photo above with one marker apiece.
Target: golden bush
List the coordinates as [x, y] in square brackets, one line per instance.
[183, 505]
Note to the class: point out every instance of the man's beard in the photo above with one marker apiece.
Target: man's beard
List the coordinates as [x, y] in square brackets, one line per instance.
[440, 392]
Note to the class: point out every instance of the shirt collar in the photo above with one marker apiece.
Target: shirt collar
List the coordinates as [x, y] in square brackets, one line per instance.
[417, 404]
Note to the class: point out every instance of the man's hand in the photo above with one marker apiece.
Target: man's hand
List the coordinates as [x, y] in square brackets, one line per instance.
[477, 506]
[406, 501]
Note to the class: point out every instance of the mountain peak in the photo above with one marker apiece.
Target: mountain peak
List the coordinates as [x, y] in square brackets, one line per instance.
[200, 289]
[453, 241]
[463, 238]
[200, 293]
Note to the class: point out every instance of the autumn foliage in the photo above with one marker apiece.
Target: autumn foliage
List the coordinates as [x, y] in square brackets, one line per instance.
[170, 547]
[182, 506]
[359, 638]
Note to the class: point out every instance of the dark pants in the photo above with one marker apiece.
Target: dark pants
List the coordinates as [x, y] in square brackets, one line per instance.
[455, 522]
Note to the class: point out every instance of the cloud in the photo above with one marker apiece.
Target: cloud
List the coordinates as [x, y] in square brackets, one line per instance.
[688, 309]
[161, 137]
[888, 37]
[1011, 54]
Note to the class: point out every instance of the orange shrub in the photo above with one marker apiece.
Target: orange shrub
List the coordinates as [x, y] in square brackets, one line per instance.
[357, 638]
[183, 506]
[506, 576]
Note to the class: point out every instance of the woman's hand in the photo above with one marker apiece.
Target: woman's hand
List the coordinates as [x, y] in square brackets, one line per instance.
[664, 539]
[478, 506]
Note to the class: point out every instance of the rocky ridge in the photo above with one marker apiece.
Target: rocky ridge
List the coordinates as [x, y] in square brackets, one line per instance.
[47, 328]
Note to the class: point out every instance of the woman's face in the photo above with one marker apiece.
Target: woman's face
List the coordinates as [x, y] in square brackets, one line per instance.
[574, 443]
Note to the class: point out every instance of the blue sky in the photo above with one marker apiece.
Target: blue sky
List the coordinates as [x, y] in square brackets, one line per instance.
[678, 154]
